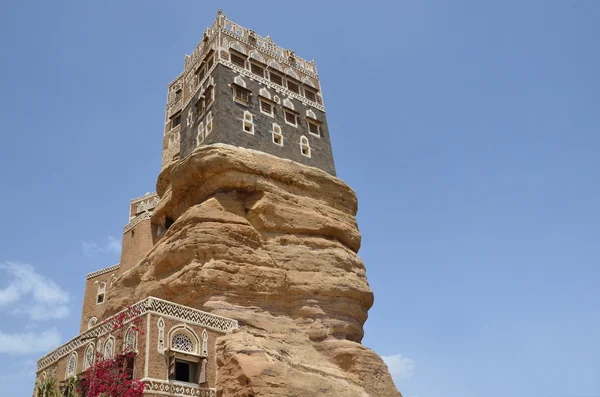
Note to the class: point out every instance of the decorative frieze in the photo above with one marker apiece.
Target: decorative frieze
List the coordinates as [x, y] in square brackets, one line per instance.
[141, 217]
[102, 271]
[268, 83]
[149, 305]
[156, 386]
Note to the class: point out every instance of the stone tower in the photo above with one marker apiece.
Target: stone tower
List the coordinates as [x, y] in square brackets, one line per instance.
[243, 266]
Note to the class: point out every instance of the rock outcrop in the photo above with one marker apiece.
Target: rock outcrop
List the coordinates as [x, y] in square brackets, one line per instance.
[273, 244]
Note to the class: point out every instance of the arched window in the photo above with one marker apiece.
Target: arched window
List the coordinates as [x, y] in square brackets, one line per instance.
[88, 357]
[109, 348]
[291, 73]
[182, 342]
[273, 64]
[92, 322]
[248, 122]
[255, 55]
[238, 47]
[72, 365]
[304, 146]
[129, 343]
[277, 135]
[101, 293]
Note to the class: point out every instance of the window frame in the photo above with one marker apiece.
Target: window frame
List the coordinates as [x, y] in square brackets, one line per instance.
[236, 88]
[316, 123]
[234, 53]
[262, 101]
[287, 111]
[246, 122]
[176, 116]
[254, 64]
[274, 133]
[101, 294]
[278, 76]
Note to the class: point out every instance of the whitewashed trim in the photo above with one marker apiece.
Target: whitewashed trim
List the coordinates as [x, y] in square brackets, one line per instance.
[102, 271]
[144, 197]
[268, 83]
[142, 217]
[151, 305]
[158, 386]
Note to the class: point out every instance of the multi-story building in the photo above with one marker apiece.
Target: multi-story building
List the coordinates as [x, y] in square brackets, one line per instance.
[237, 88]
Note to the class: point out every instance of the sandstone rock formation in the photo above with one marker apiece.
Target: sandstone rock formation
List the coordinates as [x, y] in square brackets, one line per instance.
[273, 244]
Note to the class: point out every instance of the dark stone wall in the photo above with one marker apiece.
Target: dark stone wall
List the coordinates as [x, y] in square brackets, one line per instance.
[228, 125]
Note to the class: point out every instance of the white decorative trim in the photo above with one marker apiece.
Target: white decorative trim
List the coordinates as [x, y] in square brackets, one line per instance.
[92, 322]
[88, 356]
[239, 81]
[268, 83]
[108, 351]
[102, 271]
[141, 217]
[274, 64]
[305, 146]
[288, 104]
[151, 305]
[71, 369]
[204, 351]
[147, 347]
[311, 114]
[145, 196]
[263, 92]
[248, 122]
[157, 386]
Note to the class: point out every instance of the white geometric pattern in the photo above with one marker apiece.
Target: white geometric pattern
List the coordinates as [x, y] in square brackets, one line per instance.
[163, 387]
[130, 338]
[149, 305]
[182, 342]
[72, 365]
[88, 357]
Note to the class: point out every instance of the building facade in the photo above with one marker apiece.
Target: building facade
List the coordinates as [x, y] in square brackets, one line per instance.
[237, 88]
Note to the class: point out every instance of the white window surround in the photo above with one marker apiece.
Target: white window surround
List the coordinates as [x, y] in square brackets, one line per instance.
[100, 297]
[183, 329]
[92, 322]
[200, 133]
[109, 348]
[285, 117]
[208, 124]
[277, 135]
[305, 147]
[310, 123]
[263, 111]
[71, 365]
[248, 122]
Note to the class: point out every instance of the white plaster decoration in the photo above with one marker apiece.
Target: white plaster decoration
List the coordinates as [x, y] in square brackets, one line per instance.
[142, 217]
[239, 81]
[101, 293]
[208, 124]
[130, 341]
[277, 100]
[308, 82]
[291, 73]
[182, 342]
[88, 357]
[277, 135]
[152, 305]
[102, 271]
[149, 204]
[255, 55]
[157, 386]
[273, 63]
[304, 146]
[161, 334]
[264, 92]
[204, 343]
[92, 322]
[72, 365]
[268, 83]
[200, 133]
[288, 104]
[238, 47]
[311, 114]
[190, 119]
[248, 122]
[109, 348]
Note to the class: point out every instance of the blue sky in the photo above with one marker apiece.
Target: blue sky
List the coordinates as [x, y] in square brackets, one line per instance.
[469, 130]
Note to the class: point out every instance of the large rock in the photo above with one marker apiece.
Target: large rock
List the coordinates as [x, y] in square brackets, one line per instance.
[273, 244]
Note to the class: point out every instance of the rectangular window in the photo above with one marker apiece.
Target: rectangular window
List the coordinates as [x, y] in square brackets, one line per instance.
[238, 60]
[209, 124]
[257, 70]
[314, 128]
[208, 95]
[184, 371]
[210, 62]
[242, 94]
[266, 108]
[248, 123]
[200, 73]
[310, 95]
[178, 95]
[290, 118]
[275, 78]
[199, 107]
[292, 86]
[176, 120]
[100, 298]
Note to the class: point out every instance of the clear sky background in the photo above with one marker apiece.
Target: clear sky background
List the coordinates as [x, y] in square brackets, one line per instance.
[469, 130]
